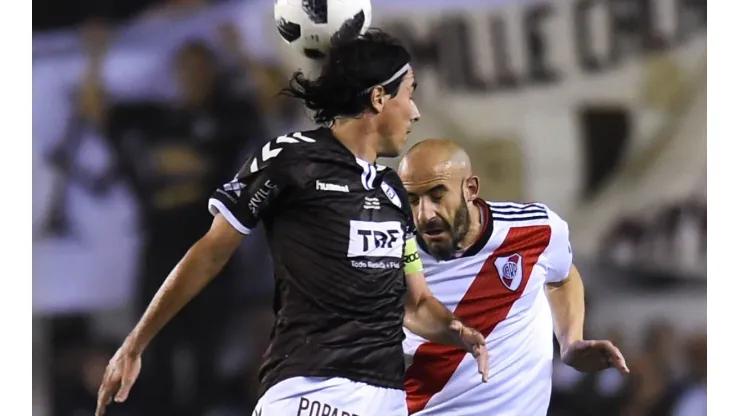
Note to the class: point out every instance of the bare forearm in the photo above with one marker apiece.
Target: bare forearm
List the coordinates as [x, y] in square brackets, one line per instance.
[186, 280]
[431, 320]
[568, 308]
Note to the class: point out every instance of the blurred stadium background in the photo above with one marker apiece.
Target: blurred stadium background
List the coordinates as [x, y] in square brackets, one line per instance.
[141, 108]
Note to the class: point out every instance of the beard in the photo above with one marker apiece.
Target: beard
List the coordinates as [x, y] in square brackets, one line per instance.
[457, 231]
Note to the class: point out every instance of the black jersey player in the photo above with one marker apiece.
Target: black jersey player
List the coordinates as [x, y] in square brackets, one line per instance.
[340, 229]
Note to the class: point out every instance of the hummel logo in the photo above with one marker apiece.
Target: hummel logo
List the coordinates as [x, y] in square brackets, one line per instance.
[323, 186]
[371, 203]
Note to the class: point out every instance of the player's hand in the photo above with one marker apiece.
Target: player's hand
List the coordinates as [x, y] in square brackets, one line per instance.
[475, 344]
[590, 356]
[120, 376]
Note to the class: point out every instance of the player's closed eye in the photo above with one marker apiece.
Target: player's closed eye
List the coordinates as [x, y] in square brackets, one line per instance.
[435, 199]
[437, 193]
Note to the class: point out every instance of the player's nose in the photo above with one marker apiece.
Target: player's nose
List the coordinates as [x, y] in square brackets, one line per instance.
[425, 212]
[415, 114]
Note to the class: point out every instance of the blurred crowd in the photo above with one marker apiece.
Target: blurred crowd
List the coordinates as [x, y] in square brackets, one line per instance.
[221, 380]
[171, 153]
[52, 15]
[670, 239]
[668, 374]
[668, 378]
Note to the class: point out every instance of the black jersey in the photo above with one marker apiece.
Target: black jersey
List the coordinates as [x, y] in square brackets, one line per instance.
[336, 226]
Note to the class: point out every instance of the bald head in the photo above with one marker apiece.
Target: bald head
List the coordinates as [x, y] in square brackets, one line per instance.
[434, 158]
[442, 189]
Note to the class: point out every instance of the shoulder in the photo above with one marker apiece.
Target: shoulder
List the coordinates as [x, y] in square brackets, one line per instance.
[286, 152]
[525, 212]
[508, 210]
[393, 187]
[517, 214]
[557, 255]
[391, 178]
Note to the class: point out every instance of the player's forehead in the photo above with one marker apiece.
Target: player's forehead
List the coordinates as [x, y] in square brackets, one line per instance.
[421, 176]
[409, 79]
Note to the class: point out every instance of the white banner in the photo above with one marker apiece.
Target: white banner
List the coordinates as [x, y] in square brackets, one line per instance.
[513, 76]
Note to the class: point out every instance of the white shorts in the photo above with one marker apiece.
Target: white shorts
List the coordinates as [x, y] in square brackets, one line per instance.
[316, 396]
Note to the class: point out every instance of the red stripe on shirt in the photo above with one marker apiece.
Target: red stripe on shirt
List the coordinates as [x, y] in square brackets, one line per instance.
[486, 303]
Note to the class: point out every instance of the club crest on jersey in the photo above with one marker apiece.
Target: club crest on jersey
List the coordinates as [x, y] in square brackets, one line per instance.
[391, 194]
[510, 270]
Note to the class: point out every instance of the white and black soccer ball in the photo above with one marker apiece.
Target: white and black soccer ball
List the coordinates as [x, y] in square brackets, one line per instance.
[311, 26]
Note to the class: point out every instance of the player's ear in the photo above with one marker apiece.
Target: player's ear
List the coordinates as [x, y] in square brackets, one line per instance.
[378, 98]
[472, 187]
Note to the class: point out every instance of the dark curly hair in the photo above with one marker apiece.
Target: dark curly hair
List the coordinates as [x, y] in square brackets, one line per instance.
[350, 69]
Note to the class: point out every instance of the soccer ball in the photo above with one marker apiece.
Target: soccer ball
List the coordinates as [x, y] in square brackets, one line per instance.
[311, 26]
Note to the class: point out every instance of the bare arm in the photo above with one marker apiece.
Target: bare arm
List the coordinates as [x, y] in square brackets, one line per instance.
[430, 319]
[235, 214]
[565, 293]
[196, 269]
[425, 315]
[568, 308]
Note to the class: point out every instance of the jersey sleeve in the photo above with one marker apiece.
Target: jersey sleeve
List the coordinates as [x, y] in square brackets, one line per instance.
[411, 259]
[245, 200]
[559, 255]
[397, 194]
[408, 214]
[410, 226]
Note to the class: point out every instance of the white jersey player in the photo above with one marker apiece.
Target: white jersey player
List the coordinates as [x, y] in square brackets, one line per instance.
[504, 269]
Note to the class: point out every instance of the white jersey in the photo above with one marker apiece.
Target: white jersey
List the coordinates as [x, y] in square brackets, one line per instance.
[329, 396]
[496, 286]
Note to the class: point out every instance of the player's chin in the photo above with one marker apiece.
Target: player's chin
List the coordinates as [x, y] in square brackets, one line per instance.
[394, 142]
[406, 135]
[394, 150]
[436, 239]
[440, 249]
[389, 153]
[401, 138]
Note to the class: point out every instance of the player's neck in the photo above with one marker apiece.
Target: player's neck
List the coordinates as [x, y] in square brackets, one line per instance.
[475, 229]
[358, 138]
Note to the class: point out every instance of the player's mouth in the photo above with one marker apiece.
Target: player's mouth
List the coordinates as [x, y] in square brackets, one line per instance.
[434, 234]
